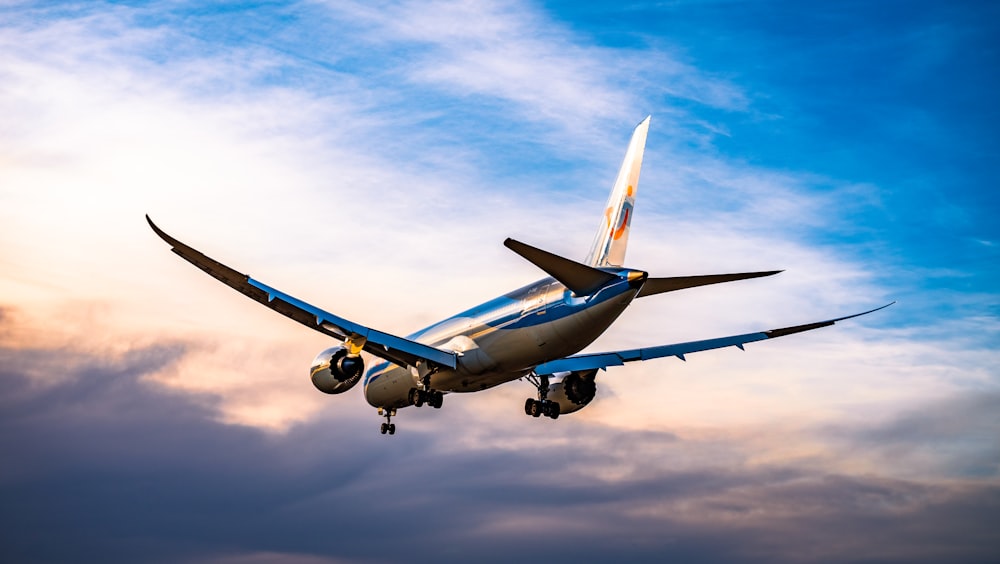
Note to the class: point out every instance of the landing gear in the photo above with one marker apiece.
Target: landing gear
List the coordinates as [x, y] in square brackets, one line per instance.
[388, 427]
[538, 408]
[424, 394]
[432, 398]
[542, 405]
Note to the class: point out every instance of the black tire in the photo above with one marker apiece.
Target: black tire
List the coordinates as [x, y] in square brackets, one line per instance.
[537, 408]
[420, 398]
[554, 410]
[438, 400]
[412, 396]
[383, 428]
[527, 406]
[392, 428]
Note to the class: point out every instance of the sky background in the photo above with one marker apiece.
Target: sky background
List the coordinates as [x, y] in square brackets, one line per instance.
[370, 157]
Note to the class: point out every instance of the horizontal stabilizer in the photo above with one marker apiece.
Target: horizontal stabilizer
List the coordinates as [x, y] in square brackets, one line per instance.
[659, 285]
[583, 280]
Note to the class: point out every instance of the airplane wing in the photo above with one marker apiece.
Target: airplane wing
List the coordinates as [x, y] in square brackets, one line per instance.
[403, 352]
[617, 358]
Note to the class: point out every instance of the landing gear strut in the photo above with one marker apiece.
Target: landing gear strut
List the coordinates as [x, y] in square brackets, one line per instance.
[388, 426]
[542, 405]
[424, 394]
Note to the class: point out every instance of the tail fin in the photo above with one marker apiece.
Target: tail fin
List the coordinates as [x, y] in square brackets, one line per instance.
[612, 236]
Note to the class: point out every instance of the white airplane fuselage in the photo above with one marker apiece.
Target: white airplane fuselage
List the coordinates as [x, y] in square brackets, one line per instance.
[503, 339]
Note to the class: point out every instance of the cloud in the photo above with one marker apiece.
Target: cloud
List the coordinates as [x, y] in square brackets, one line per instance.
[121, 111]
[515, 56]
[124, 472]
[302, 168]
[370, 160]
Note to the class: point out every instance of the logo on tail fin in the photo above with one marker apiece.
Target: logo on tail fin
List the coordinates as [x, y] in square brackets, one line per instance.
[627, 208]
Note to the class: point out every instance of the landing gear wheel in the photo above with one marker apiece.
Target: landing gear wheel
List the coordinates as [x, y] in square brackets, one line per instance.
[536, 408]
[553, 410]
[385, 428]
[419, 397]
[543, 405]
[392, 428]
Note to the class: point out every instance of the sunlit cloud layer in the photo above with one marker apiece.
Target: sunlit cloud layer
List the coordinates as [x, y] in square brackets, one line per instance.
[370, 158]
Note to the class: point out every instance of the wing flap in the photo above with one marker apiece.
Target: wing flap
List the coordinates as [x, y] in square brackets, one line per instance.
[617, 358]
[384, 345]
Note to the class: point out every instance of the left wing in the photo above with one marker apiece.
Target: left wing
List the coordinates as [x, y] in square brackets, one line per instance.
[617, 358]
[403, 352]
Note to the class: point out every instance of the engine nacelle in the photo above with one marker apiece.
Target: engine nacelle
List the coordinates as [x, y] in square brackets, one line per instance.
[574, 391]
[334, 371]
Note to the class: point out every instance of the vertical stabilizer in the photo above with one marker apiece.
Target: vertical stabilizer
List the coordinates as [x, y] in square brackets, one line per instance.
[612, 236]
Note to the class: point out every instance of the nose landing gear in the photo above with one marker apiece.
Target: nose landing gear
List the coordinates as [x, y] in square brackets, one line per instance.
[388, 426]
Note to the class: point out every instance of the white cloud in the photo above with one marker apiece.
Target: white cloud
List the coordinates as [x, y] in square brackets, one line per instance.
[314, 191]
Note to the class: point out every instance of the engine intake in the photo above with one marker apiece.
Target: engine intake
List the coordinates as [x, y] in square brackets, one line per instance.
[580, 388]
[574, 391]
[334, 371]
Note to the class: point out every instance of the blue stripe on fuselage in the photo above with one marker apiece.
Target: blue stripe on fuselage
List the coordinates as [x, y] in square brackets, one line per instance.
[507, 313]
[509, 308]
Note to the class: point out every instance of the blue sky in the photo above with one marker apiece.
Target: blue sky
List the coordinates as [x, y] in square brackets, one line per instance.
[371, 158]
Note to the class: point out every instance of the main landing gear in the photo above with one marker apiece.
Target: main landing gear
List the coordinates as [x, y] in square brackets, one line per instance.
[424, 394]
[418, 397]
[542, 405]
[432, 398]
[388, 426]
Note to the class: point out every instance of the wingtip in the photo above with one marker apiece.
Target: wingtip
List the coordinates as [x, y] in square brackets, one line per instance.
[153, 226]
[893, 302]
[160, 233]
[774, 333]
[865, 312]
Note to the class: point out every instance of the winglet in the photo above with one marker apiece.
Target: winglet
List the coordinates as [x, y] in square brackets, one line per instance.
[774, 333]
[161, 233]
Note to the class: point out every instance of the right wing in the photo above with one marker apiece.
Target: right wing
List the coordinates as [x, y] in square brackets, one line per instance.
[403, 352]
[617, 358]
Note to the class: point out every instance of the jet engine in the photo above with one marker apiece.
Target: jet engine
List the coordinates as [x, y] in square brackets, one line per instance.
[574, 391]
[334, 371]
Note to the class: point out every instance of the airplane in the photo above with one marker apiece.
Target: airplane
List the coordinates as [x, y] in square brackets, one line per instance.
[534, 333]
